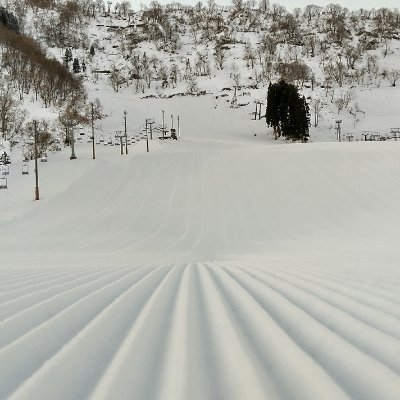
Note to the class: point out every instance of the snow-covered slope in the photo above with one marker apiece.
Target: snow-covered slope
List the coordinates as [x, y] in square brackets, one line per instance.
[217, 266]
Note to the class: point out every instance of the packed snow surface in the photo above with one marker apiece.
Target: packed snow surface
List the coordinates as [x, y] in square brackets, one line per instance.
[220, 266]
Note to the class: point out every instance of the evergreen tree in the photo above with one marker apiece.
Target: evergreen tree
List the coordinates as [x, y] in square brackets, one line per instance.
[83, 65]
[287, 112]
[91, 51]
[67, 56]
[76, 67]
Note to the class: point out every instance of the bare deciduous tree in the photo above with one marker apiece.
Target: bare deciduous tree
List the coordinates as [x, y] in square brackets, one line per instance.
[12, 115]
[220, 54]
[393, 76]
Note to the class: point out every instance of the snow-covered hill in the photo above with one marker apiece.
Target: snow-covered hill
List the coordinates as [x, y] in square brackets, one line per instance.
[350, 59]
[215, 266]
[222, 265]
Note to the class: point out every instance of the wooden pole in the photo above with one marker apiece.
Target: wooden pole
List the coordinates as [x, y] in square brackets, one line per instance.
[126, 136]
[147, 138]
[163, 125]
[36, 163]
[71, 135]
[93, 148]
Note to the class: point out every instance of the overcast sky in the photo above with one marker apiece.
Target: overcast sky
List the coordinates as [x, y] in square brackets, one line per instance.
[290, 4]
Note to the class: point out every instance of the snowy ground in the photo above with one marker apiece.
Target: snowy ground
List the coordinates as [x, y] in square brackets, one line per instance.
[221, 266]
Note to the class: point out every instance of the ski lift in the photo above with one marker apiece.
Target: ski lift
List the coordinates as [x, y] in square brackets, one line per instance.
[25, 168]
[3, 182]
[5, 170]
[43, 158]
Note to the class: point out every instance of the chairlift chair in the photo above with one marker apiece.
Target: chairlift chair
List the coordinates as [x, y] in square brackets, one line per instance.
[3, 182]
[5, 170]
[25, 168]
[43, 158]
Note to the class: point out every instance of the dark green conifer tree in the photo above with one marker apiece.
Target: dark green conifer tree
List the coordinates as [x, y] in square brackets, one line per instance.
[76, 67]
[67, 57]
[287, 112]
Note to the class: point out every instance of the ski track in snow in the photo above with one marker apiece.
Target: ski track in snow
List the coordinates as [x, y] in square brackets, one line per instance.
[207, 271]
[202, 330]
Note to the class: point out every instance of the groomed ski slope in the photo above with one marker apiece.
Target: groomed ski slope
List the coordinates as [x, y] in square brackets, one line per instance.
[221, 266]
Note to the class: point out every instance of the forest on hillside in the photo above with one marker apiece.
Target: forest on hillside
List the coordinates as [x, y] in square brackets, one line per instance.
[50, 50]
